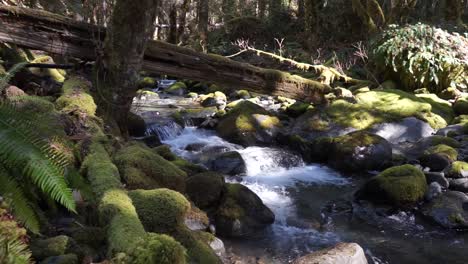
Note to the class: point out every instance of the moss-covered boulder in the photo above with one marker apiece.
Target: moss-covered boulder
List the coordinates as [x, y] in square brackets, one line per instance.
[136, 125]
[75, 97]
[141, 168]
[241, 94]
[160, 210]
[54, 74]
[448, 210]
[248, 124]
[198, 248]
[458, 169]
[398, 186]
[241, 212]
[53, 246]
[178, 88]
[298, 108]
[165, 152]
[147, 82]
[443, 149]
[188, 167]
[157, 248]
[62, 259]
[360, 151]
[217, 99]
[461, 106]
[205, 189]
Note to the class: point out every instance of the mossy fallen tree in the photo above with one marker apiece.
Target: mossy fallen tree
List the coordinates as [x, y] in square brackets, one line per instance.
[36, 29]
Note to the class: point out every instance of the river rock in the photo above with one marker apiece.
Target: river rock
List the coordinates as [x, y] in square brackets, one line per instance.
[242, 212]
[457, 129]
[398, 186]
[248, 124]
[433, 191]
[360, 151]
[409, 129]
[436, 177]
[450, 210]
[205, 189]
[458, 169]
[460, 185]
[343, 253]
[230, 163]
[217, 246]
[436, 162]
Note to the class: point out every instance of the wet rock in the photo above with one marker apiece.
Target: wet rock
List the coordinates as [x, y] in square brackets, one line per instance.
[398, 186]
[458, 169]
[248, 124]
[437, 177]
[343, 253]
[178, 88]
[360, 151]
[450, 210]
[457, 129]
[436, 162]
[409, 129]
[195, 147]
[460, 185]
[205, 189]
[230, 163]
[217, 246]
[242, 212]
[433, 191]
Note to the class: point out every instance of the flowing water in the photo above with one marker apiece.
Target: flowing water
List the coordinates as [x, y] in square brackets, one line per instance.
[312, 209]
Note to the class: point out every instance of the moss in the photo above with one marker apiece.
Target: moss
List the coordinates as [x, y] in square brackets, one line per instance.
[89, 235]
[75, 97]
[165, 152]
[461, 119]
[400, 186]
[437, 140]
[55, 74]
[177, 88]
[461, 106]
[160, 210]
[188, 167]
[456, 169]
[142, 168]
[62, 259]
[178, 118]
[443, 149]
[349, 142]
[32, 104]
[439, 106]
[205, 189]
[242, 94]
[266, 121]
[192, 95]
[234, 103]
[197, 249]
[298, 109]
[147, 82]
[375, 107]
[54, 246]
[147, 93]
[157, 248]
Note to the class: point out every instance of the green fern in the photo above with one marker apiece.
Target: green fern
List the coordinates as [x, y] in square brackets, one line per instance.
[4, 80]
[21, 149]
[13, 239]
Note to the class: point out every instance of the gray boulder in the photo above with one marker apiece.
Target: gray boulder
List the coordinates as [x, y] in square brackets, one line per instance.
[343, 253]
[409, 129]
[449, 209]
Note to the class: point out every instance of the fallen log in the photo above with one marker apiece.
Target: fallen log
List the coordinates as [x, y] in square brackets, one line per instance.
[41, 30]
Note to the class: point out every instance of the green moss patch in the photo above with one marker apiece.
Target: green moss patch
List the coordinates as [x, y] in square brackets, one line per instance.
[457, 169]
[75, 97]
[443, 149]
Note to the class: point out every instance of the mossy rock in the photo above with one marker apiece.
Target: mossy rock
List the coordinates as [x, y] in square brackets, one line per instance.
[205, 189]
[438, 140]
[461, 106]
[298, 109]
[165, 152]
[248, 124]
[91, 236]
[449, 93]
[136, 125]
[75, 97]
[53, 246]
[458, 169]
[62, 259]
[360, 151]
[157, 248]
[448, 210]
[399, 186]
[178, 88]
[147, 82]
[160, 210]
[241, 212]
[461, 119]
[54, 74]
[141, 168]
[188, 166]
[443, 149]
[198, 250]
[241, 94]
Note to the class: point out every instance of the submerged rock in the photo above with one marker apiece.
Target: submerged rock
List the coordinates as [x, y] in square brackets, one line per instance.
[242, 212]
[343, 253]
[398, 186]
[360, 151]
[450, 210]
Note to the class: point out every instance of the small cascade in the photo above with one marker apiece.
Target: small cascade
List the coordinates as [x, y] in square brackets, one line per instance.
[165, 131]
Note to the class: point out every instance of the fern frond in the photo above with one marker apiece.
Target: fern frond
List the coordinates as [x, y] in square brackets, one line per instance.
[21, 148]
[4, 80]
[13, 193]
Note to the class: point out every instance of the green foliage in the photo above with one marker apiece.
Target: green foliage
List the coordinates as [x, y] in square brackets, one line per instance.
[156, 248]
[26, 157]
[423, 56]
[13, 249]
[5, 79]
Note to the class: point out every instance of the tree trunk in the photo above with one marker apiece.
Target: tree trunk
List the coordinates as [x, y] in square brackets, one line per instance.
[311, 22]
[454, 10]
[275, 8]
[300, 10]
[184, 9]
[117, 70]
[40, 30]
[203, 9]
[262, 8]
[172, 37]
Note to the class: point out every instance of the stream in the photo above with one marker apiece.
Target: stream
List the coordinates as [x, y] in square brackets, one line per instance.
[313, 210]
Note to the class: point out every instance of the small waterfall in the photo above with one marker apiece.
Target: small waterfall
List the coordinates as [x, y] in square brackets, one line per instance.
[165, 131]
